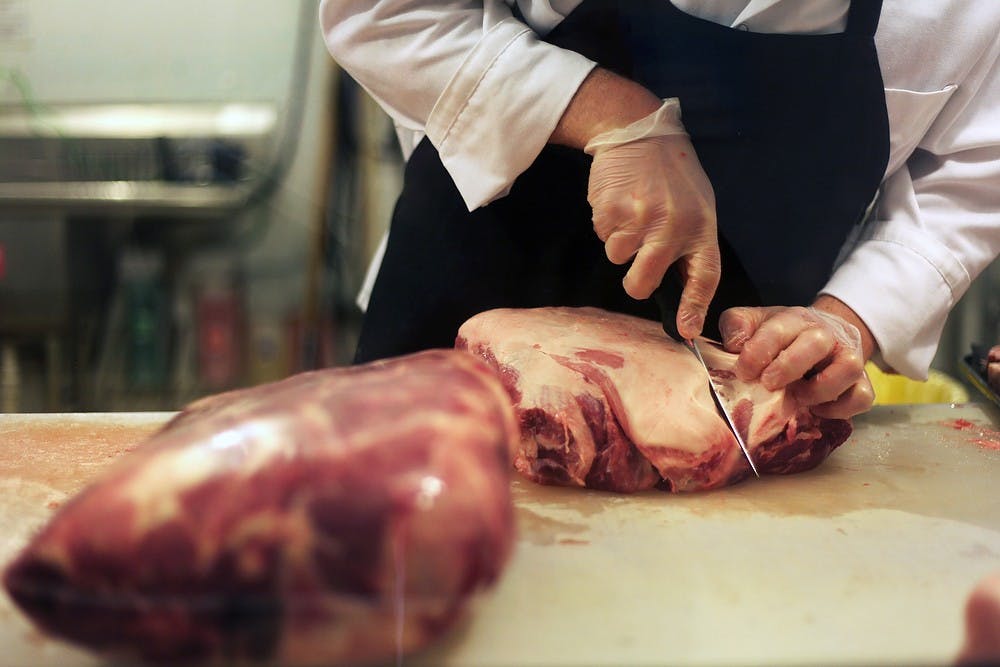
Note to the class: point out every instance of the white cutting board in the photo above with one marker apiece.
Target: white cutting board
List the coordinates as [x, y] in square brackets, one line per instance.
[866, 560]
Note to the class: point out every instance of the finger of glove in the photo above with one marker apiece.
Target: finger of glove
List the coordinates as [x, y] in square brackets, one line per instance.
[647, 270]
[738, 324]
[622, 246]
[809, 348]
[703, 272]
[845, 369]
[858, 398]
[774, 333]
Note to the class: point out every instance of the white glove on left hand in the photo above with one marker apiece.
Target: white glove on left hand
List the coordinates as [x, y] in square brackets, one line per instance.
[816, 354]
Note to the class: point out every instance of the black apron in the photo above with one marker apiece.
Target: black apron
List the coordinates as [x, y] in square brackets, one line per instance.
[791, 130]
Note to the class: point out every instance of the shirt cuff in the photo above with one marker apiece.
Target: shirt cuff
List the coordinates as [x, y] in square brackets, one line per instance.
[500, 108]
[903, 297]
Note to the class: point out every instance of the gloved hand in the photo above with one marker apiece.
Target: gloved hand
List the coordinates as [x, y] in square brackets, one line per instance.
[816, 354]
[652, 201]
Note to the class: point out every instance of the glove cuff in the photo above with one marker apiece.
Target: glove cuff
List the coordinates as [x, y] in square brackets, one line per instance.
[664, 121]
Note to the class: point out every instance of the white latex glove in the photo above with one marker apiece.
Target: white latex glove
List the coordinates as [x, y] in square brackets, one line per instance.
[652, 201]
[816, 354]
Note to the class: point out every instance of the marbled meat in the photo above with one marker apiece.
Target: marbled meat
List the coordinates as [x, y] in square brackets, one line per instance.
[341, 515]
[607, 401]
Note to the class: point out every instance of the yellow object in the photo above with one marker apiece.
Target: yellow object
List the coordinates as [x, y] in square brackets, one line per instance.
[901, 390]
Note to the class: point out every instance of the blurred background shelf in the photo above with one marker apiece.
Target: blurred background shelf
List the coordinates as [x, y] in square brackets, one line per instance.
[189, 196]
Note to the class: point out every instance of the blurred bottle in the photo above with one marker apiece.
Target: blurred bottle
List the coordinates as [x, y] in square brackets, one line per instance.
[269, 349]
[146, 319]
[10, 379]
[219, 318]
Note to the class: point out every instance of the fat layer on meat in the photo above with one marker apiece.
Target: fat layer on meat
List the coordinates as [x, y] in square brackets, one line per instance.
[608, 401]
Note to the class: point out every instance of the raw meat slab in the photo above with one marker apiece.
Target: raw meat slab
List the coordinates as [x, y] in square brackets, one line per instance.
[342, 515]
[608, 401]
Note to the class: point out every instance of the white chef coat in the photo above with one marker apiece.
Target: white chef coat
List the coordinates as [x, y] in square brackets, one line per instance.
[488, 93]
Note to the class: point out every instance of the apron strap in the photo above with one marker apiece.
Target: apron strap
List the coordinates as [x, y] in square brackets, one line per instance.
[862, 17]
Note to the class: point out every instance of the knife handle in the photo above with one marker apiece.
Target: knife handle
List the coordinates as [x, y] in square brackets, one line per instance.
[667, 297]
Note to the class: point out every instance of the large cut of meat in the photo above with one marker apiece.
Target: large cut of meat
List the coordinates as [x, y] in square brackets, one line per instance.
[337, 516]
[607, 401]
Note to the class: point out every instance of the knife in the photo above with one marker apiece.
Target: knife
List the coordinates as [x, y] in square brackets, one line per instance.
[666, 297]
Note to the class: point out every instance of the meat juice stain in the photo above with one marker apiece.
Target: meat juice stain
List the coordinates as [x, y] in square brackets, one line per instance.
[585, 502]
[993, 444]
[986, 438]
[543, 530]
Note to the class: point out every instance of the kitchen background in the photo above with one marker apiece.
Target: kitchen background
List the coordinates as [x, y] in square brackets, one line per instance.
[189, 194]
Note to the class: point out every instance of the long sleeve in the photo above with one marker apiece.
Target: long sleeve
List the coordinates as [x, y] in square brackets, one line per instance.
[938, 222]
[480, 84]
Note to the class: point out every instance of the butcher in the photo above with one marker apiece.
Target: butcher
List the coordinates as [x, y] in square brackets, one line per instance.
[823, 176]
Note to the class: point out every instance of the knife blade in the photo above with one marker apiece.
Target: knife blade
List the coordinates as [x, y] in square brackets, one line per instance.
[722, 408]
[667, 296]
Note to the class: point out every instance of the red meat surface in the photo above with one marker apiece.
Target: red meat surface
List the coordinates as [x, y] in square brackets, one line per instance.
[607, 401]
[337, 516]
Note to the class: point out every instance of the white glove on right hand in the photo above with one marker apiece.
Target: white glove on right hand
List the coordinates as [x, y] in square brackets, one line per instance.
[652, 201]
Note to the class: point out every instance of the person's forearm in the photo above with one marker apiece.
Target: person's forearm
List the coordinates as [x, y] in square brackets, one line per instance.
[834, 306]
[604, 101]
